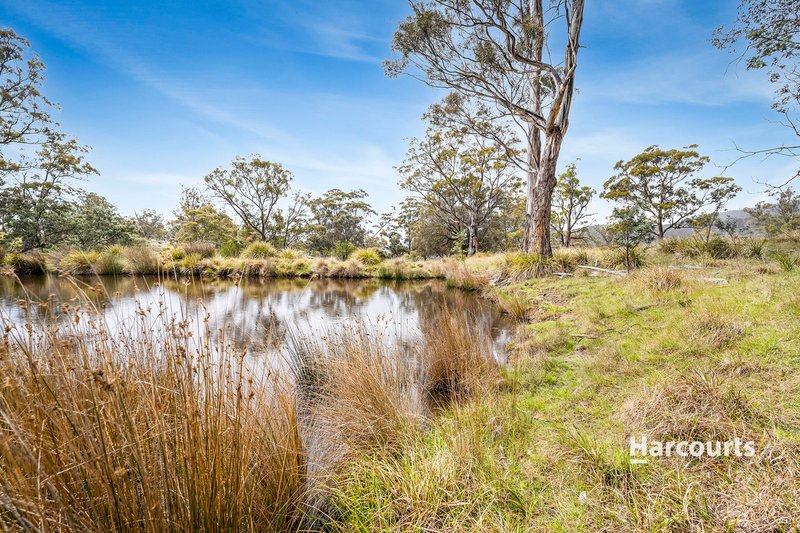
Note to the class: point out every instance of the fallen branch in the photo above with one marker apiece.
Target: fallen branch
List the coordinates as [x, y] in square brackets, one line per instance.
[605, 270]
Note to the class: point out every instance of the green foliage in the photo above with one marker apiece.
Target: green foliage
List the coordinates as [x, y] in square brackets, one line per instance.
[628, 229]
[342, 250]
[767, 36]
[96, 223]
[259, 250]
[659, 183]
[252, 188]
[149, 224]
[196, 223]
[465, 175]
[231, 248]
[570, 201]
[780, 216]
[338, 217]
[366, 256]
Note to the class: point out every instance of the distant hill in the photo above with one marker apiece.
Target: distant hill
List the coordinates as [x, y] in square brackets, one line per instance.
[744, 225]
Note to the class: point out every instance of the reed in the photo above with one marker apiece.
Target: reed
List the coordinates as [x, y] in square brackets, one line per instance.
[143, 431]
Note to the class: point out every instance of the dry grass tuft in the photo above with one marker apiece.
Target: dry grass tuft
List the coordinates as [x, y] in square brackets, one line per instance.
[457, 359]
[659, 279]
[713, 330]
[703, 406]
[458, 275]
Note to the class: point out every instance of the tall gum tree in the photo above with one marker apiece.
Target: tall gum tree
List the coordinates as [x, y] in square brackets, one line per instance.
[498, 51]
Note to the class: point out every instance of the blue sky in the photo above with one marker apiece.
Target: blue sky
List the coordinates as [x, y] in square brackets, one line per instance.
[164, 92]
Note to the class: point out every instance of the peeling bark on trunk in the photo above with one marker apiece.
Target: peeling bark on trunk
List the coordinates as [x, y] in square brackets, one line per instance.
[543, 194]
[542, 161]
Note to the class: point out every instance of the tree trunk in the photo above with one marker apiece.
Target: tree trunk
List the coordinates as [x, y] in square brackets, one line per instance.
[473, 239]
[542, 197]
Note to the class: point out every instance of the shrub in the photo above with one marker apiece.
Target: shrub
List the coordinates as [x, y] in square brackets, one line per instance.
[201, 248]
[259, 250]
[366, 256]
[521, 266]
[79, 262]
[141, 260]
[342, 250]
[660, 279]
[230, 248]
[110, 262]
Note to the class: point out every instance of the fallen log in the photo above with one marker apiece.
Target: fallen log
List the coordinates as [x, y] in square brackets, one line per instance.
[604, 270]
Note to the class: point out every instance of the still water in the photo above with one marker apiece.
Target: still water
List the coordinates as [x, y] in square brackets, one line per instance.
[254, 314]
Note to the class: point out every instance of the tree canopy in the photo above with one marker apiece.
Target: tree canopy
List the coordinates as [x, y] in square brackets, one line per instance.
[662, 183]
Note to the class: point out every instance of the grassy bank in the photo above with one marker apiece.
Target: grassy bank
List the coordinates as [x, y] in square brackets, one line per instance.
[665, 353]
[695, 345]
[203, 261]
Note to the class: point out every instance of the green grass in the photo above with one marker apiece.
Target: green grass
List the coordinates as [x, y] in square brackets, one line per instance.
[661, 354]
[542, 443]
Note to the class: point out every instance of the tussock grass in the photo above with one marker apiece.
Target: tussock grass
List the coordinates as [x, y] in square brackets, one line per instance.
[259, 250]
[359, 391]
[103, 432]
[701, 405]
[520, 266]
[141, 260]
[458, 275]
[457, 359]
[199, 248]
[713, 330]
[366, 256]
[659, 279]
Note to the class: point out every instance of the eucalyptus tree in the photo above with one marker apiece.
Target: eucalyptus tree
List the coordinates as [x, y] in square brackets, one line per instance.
[570, 203]
[24, 110]
[662, 183]
[39, 165]
[38, 203]
[500, 52]
[252, 188]
[766, 35]
[780, 215]
[466, 177]
[338, 219]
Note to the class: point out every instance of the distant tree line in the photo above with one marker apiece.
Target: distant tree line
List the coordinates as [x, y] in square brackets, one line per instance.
[481, 178]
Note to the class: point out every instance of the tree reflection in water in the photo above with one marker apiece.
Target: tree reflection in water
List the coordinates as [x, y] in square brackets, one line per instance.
[254, 314]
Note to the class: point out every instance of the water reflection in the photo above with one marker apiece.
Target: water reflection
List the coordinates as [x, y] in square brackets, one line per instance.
[251, 313]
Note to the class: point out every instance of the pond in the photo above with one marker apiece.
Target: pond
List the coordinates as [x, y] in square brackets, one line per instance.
[250, 313]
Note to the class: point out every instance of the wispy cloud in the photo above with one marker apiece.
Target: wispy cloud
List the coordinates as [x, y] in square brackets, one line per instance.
[680, 78]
